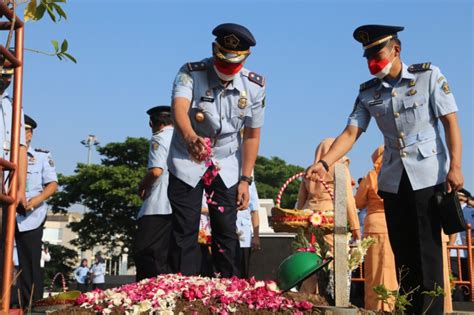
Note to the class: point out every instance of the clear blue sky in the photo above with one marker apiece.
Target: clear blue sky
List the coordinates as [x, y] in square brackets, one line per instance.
[129, 52]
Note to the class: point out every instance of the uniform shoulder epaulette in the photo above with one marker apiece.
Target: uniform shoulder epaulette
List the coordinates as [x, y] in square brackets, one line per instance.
[368, 84]
[197, 66]
[256, 78]
[419, 67]
[42, 150]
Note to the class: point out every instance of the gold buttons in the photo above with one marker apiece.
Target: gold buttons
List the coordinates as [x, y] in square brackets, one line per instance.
[412, 92]
[200, 117]
[403, 154]
[416, 104]
[434, 150]
[394, 93]
[397, 115]
[402, 134]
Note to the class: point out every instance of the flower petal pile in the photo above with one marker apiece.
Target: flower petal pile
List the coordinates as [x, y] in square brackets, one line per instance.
[220, 295]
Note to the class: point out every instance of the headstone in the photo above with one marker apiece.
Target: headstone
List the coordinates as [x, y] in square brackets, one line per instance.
[340, 238]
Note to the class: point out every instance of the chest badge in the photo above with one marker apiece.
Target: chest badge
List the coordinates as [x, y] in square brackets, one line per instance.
[377, 95]
[243, 100]
[412, 83]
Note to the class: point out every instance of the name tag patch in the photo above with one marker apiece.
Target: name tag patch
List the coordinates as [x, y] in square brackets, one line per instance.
[207, 99]
[375, 102]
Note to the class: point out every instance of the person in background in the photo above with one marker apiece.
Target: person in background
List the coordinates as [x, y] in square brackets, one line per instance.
[248, 231]
[45, 256]
[41, 183]
[313, 195]
[379, 264]
[97, 272]
[154, 218]
[81, 274]
[362, 213]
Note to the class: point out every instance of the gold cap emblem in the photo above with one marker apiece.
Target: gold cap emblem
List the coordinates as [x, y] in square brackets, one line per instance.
[231, 41]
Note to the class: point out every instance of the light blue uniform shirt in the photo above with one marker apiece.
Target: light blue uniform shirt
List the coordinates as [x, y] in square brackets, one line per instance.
[244, 218]
[6, 112]
[157, 201]
[226, 109]
[408, 116]
[81, 274]
[41, 171]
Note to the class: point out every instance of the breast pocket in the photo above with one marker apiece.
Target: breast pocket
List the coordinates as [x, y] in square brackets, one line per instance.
[204, 118]
[416, 108]
[33, 179]
[238, 117]
[378, 111]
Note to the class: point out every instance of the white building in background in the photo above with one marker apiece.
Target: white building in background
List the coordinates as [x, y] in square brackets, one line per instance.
[57, 232]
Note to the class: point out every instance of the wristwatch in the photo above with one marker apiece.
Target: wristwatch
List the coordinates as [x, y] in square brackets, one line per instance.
[247, 179]
[325, 165]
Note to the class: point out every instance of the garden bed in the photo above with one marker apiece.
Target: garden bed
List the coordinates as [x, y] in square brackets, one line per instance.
[177, 294]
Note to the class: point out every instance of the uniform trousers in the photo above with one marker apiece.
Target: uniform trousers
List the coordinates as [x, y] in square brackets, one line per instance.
[28, 246]
[151, 245]
[186, 201]
[414, 229]
[245, 253]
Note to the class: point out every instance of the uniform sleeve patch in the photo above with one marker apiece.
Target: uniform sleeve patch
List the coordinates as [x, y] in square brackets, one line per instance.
[155, 145]
[256, 78]
[196, 66]
[263, 103]
[446, 88]
[51, 163]
[419, 67]
[182, 79]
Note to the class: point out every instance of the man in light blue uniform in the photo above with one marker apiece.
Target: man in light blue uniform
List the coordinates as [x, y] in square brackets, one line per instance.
[6, 112]
[41, 183]
[154, 217]
[408, 104]
[214, 99]
[248, 231]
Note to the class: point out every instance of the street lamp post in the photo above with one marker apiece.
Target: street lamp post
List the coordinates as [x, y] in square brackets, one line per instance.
[89, 143]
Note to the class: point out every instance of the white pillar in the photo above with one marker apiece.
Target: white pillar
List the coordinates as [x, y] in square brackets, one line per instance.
[340, 238]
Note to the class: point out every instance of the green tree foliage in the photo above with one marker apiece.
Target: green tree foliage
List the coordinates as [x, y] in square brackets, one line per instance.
[109, 191]
[271, 174]
[63, 260]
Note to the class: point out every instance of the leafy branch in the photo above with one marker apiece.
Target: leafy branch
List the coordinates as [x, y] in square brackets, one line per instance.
[60, 52]
[34, 11]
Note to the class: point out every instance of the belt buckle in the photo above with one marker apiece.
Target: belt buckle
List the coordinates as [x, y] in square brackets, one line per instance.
[401, 143]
